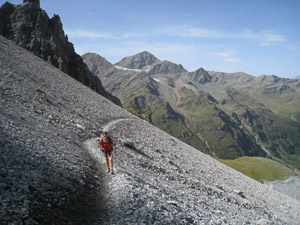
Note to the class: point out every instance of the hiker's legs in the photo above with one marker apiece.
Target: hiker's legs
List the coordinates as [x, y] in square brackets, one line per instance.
[107, 163]
[111, 164]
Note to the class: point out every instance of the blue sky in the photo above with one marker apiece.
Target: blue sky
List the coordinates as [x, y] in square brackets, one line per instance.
[258, 37]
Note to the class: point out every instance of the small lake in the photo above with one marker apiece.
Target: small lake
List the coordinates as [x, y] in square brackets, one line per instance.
[290, 187]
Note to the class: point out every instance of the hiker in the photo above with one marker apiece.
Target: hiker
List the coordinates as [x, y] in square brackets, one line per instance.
[107, 144]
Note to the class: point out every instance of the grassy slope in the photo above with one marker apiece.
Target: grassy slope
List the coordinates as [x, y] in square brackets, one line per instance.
[278, 134]
[146, 99]
[286, 102]
[260, 169]
[217, 128]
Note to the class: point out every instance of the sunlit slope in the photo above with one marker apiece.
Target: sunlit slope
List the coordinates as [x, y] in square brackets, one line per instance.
[261, 169]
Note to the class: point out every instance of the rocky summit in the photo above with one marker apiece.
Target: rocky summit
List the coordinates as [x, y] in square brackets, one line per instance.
[51, 171]
[30, 27]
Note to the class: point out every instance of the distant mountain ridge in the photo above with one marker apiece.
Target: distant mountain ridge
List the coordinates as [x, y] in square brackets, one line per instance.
[228, 115]
[30, 27]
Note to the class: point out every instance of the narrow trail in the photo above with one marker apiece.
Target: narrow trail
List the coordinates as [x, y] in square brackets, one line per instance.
[112, 123]
[99, 213]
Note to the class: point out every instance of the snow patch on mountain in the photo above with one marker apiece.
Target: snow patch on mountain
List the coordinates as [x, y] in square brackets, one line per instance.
[127, 69]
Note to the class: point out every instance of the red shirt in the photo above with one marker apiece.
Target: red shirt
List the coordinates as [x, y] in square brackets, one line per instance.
[106, 147]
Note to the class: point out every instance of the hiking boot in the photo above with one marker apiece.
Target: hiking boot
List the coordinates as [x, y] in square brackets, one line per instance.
[112, 172]
[107, 170]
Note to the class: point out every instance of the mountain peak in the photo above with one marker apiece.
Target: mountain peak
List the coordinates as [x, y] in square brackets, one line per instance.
[200, 76]
[138, 61]
[97, 64]
[93, 56]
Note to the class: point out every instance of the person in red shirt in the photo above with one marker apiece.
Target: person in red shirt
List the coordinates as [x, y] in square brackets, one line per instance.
[107, 144]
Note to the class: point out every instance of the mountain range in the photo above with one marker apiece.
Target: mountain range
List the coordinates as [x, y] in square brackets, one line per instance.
[226, 115]
[51, 170]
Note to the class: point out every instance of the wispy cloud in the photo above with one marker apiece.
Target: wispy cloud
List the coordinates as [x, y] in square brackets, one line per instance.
[195, 32]
[269, 38]
[89, 14]
[227, 56]
[231, 60]
[263, 38]
[186, 31]
[140, 34]
[87, 34]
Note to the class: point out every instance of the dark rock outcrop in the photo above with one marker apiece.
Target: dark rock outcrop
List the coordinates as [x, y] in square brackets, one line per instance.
[30, 27]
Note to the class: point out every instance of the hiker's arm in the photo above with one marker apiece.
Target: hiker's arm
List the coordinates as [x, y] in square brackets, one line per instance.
[114, 143]
[99, 143]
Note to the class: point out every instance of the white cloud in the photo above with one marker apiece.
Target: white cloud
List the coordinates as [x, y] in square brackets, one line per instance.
[136, 35]
[263, 38]
[231, 60]
[248, 34]
[195, 32]
[87, 34]
[186, 31]
[269, 38]
[227, 56]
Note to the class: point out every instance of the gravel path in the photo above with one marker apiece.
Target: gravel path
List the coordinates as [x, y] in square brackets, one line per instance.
[51, 171]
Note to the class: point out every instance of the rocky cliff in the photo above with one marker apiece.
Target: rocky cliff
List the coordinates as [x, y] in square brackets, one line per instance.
[30, 27]
[51, 171]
